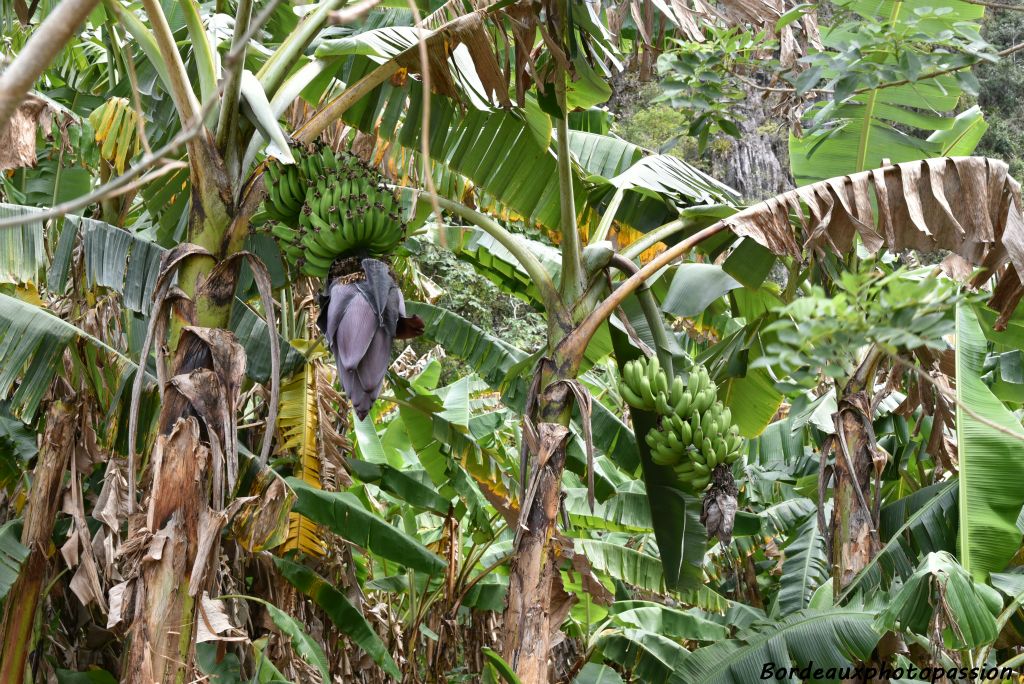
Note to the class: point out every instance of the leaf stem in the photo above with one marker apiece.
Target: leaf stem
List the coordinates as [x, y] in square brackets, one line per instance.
[280, 64]
[228, 119]
[530, 263]
[652, 313]
[572, 260]
[181, 89]
[573, 346]
[651, 238]
[604, 227]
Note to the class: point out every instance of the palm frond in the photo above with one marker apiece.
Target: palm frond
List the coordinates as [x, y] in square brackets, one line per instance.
[32, 344]
[805, 568]
[298, 421]
[967, 205]
[22, 253]
[839, 637]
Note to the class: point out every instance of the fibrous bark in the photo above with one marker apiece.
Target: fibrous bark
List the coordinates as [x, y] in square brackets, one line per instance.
[854, 538]
[535, 605]
[193, 464]
[44, 498]
[161, 635]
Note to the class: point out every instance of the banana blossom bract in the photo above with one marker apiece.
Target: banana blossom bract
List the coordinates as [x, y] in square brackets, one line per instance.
[360, 321]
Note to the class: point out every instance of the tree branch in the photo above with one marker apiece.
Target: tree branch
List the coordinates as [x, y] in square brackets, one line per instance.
[350, 15]
[941, 72]
[126, 182]
[42, 47]
[996, 5]
[575, 344]
[421, 46]
[202, 52]
[652, 313]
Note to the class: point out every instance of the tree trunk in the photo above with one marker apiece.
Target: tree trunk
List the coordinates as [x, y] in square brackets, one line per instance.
[44, 498]
[853, 531]
[853, 524]
[161, 635]
[191, 455]
[183, 462]
[534, 608]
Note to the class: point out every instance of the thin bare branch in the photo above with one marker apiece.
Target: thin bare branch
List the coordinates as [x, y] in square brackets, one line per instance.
[350, 15]
[428, 177]
[951, 398]
[941, 72]
[45, 44]
[126, 182]
[997, 5]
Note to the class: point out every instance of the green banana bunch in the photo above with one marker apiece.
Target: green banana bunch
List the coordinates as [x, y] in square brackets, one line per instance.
[326, 205]
[695, 433]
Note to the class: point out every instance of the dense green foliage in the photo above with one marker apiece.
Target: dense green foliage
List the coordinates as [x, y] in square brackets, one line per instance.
[797, 444]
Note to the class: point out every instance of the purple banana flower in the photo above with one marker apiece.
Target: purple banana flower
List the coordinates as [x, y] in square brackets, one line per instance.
[360, 320]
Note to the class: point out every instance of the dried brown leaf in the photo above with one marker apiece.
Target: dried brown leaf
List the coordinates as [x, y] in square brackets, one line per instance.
[967, 205]
[18, 140]
[213, 623]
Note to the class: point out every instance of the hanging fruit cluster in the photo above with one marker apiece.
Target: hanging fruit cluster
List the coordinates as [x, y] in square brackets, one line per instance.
[326, 205]
[695, 433]
[117, 133]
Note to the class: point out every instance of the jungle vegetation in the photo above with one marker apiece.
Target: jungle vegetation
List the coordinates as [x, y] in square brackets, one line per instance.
[714, 359]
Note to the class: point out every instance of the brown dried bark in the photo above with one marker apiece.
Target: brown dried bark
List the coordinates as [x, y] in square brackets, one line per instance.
[161, 634]
[535, 605]
[853, 532]
[18, 140]
[195, 443]
[853, 526]
[44, 498]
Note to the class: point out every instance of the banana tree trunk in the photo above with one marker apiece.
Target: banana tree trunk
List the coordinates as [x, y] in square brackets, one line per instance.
[184, 461]
[854, 525]
[161, 636]
[853, 522]
[25, 595]
[853, 530]
[536, 605]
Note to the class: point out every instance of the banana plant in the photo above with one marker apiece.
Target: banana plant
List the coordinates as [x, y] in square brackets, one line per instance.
[505, 140]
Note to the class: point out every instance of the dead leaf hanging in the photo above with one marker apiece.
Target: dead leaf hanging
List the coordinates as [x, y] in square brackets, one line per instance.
[967, 205]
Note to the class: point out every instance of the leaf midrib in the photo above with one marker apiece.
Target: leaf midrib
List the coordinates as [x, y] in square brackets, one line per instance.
[869, 107]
